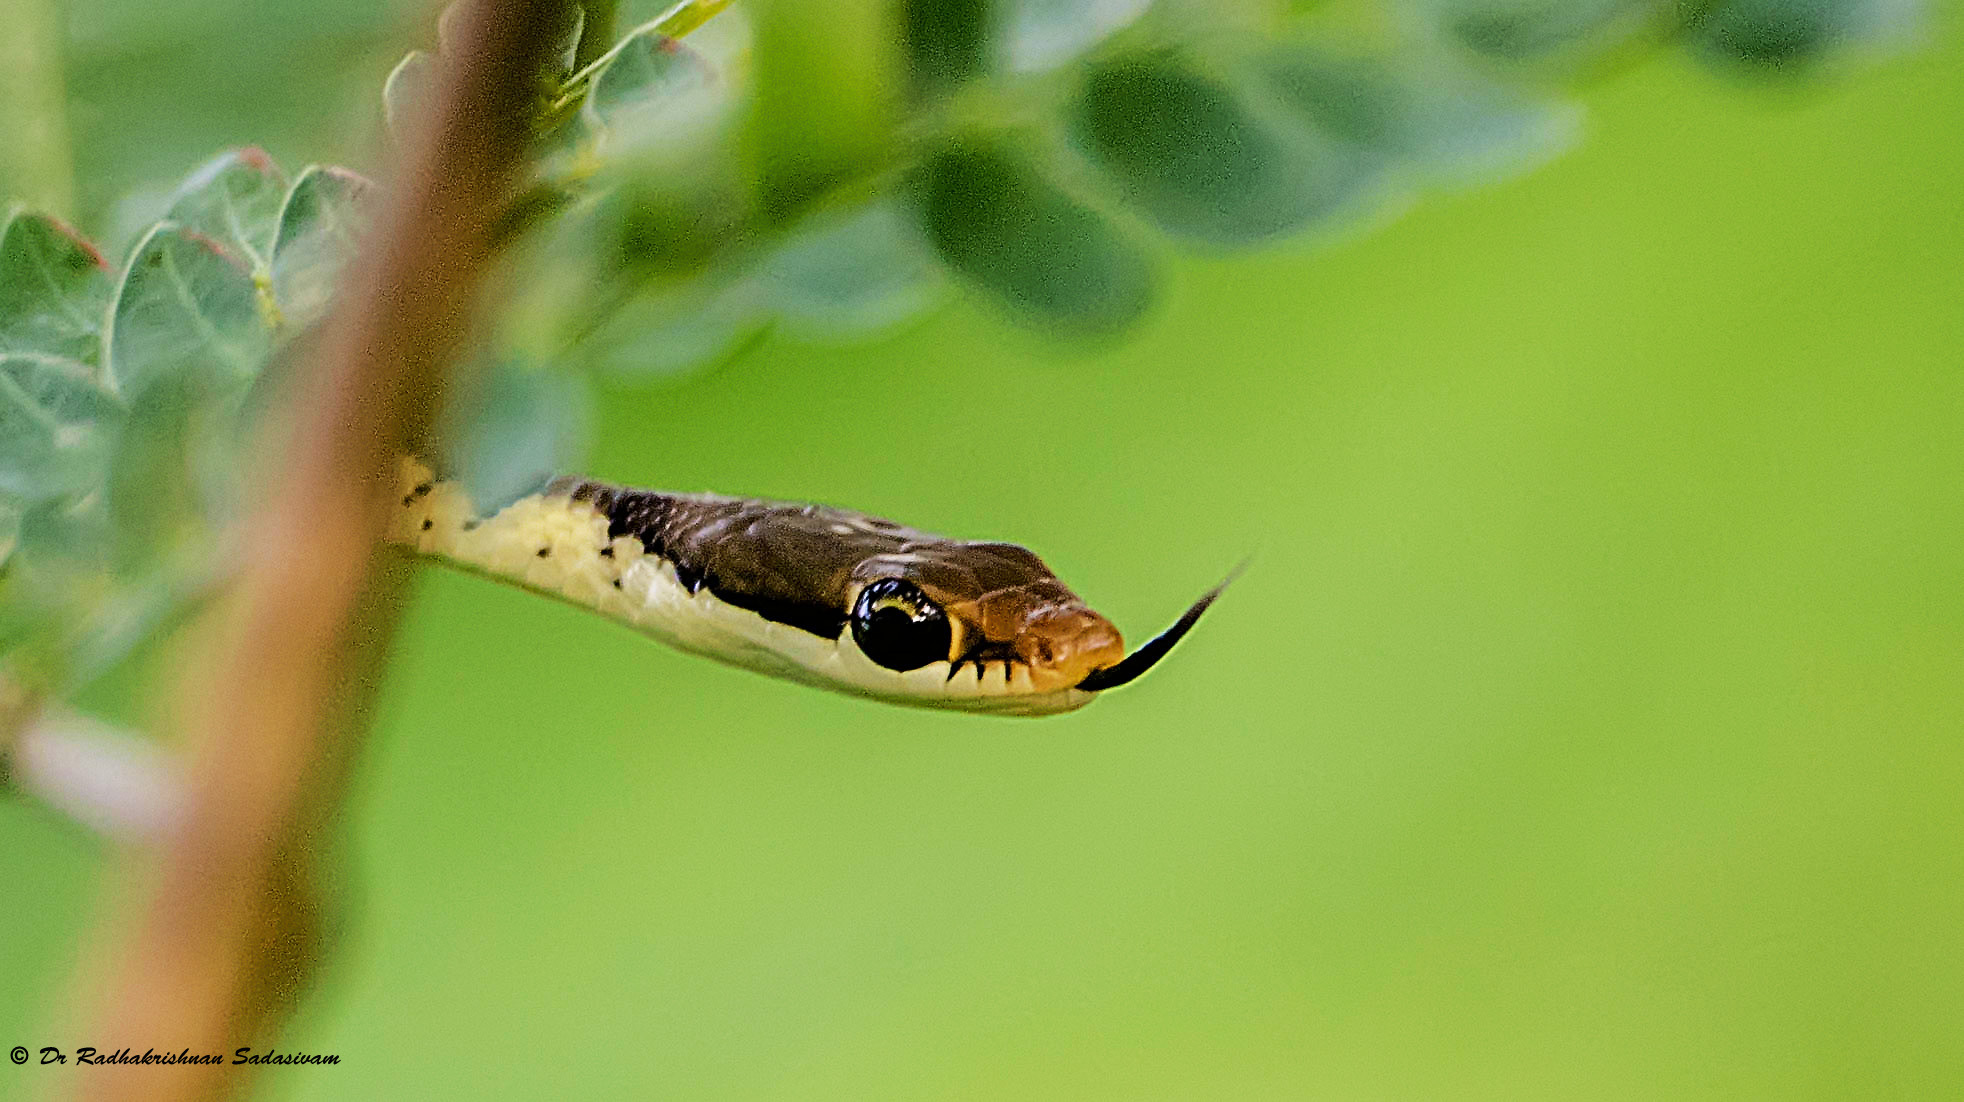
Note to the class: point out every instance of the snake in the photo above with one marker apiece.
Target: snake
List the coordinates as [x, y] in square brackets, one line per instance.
[810, 593]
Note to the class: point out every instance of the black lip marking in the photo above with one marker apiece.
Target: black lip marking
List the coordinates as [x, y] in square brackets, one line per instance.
[822, 622]
[690, 579]
[1156, 648]
[980, 655]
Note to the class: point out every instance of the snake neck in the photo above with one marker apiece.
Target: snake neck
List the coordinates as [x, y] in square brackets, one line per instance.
[547, 542]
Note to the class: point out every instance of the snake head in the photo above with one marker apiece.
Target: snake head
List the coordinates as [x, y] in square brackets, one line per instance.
[1013, 636]
[830, 597]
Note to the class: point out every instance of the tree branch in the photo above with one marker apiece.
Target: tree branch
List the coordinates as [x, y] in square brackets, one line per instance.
[222, 936]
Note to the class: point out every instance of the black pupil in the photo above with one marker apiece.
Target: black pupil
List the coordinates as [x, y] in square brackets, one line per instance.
[896, 626]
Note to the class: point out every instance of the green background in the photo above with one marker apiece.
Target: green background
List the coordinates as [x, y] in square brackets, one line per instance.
[1587, 725]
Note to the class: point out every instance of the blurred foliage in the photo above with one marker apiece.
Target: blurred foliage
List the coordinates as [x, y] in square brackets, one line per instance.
[825, 169]
[122, 393]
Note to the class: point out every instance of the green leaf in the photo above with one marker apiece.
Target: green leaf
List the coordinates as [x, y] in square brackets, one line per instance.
[54, 290]
[513, 429]
[569, 38]
[155, 492]
[667, 333]
[137, 611]
[1043, 34]
[643, 95]
[1771, 34]
[1205, 162]
[1546, 31]
[185, 307]
[661, 223]
[66, 615]
[407, 89]
[947, 41]
[1353, 99]
[840, 275]
[1479, 130]
[1790, 34]
[56, 422]
[55, 579]
[675, 186]
[320, 225]
[234, 199]
[1052, 260]
[1429, 117]
[72, 530]
[10, 514]
[852, 272]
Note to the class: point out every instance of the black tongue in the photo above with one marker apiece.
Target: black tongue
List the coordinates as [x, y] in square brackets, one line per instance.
[1147, 656]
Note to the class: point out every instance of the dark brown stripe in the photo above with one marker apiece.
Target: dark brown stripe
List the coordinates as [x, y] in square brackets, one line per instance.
[795, 564]
[739, 549]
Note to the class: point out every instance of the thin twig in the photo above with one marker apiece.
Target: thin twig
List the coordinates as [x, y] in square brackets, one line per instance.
[222, 937]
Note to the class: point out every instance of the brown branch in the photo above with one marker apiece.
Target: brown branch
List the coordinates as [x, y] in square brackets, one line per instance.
[221, 936]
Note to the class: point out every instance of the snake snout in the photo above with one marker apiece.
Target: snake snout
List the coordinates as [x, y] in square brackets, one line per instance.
[1061, 645]
[1112, 675]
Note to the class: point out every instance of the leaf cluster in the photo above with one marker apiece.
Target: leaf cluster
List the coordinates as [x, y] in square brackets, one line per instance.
[828, 170]
[123, 390]
[822, 169]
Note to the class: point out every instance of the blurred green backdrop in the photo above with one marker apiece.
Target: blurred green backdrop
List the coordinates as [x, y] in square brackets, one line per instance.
[1587, 726]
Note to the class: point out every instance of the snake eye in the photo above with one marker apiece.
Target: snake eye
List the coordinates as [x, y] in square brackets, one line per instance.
[896, 625]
